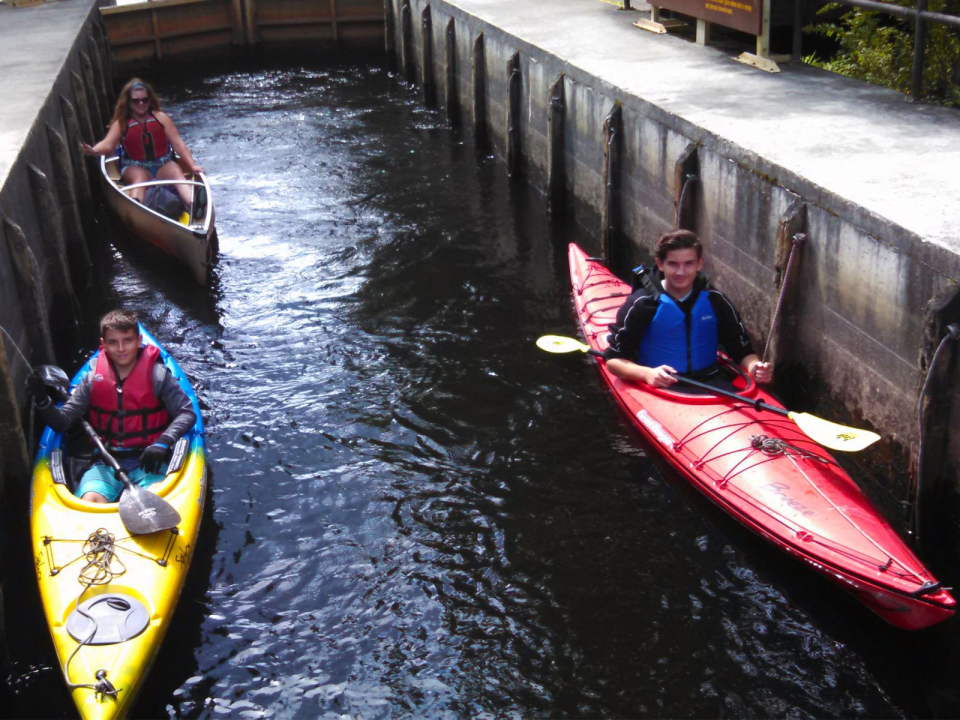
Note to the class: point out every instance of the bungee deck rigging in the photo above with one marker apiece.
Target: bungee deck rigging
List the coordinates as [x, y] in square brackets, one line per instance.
[754, 459]
[108, 592]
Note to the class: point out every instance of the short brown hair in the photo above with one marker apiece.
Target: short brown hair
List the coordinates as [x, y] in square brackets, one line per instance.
[119, 320]
[676, 240]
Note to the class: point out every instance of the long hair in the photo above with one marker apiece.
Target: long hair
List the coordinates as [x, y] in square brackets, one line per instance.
[121, 113]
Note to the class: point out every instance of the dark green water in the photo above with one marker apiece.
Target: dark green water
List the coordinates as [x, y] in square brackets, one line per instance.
[413, 512]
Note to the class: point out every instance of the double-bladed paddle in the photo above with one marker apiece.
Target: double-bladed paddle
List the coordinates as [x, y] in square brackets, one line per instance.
[824, 432]
[141, 511]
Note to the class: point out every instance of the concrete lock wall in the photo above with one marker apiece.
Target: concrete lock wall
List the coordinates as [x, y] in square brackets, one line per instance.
[859, 323]
[56, 78]
[49, 237]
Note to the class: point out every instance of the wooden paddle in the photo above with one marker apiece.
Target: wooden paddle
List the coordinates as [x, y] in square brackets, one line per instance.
[141, 511]
[824, 432]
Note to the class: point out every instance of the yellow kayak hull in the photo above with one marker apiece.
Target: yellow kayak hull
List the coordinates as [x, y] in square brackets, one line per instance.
[154, 569]
[134, 588]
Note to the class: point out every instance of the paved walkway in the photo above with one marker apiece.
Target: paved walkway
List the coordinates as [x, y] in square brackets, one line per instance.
[871, 146]
[34, 44]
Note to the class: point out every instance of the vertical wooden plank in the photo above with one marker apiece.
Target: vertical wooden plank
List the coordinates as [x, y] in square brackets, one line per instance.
[238, 36]
[155, 24]
[93, 99]
[16, 456]
[556, 157]
[406, 40]
[97, 232]
[429, 91]
[71, 125]
[703, 32]
[109, 68]
[83, 111]
[514, 79]
[53, 248]
[763, 39]
[250, 21]
[30, 291]
[78, 253]
[452, 96]
[479, 93]
[610, 219]
[389, 39]
[100, 79]
[783, 315]
[333, 23]
[936, 467]
[686, 172]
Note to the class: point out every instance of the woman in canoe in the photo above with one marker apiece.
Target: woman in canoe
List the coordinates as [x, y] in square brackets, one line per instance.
[147, 139]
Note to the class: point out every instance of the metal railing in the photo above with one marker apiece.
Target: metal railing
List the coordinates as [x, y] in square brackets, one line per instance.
[920, 15]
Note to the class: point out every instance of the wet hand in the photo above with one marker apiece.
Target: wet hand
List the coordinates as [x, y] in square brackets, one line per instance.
[154, 457]
[762, 372]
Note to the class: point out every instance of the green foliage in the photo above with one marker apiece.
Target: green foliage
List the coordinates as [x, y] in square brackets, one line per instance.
[878, 48]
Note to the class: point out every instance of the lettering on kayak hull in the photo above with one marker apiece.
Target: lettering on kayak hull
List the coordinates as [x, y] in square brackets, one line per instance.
[777, 490]
[656, 428]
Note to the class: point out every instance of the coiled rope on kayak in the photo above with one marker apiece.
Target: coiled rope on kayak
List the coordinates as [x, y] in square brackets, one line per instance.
[778, 446]
[100, 552]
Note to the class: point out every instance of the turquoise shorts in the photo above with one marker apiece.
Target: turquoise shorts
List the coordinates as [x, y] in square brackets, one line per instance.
[100, 479]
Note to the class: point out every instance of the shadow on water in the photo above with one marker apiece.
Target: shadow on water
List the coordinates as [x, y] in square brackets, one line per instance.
[414, 512]
[161, 693]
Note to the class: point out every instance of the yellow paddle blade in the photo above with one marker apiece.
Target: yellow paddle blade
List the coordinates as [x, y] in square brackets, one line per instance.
[560, 344]
[834, 436]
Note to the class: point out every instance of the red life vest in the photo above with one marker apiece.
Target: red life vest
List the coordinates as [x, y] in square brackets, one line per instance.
[145, 141]
[127, 414]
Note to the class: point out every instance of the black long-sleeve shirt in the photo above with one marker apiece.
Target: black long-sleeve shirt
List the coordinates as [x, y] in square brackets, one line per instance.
[638, 310]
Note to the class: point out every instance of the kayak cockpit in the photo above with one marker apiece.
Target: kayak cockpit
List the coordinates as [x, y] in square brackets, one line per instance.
[75, 455]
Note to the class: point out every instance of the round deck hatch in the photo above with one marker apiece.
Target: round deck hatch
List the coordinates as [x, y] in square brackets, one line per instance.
[116, 619]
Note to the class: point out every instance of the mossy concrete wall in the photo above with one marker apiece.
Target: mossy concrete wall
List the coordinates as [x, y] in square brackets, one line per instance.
[860, 323]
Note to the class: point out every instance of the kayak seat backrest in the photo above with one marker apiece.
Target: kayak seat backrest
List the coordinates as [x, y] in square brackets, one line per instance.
[179, 455]
[56, 467]
[76, 457]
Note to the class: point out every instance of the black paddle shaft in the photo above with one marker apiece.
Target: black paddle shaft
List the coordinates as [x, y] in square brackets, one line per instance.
[757, 404]
[141, 512]
[107, 457]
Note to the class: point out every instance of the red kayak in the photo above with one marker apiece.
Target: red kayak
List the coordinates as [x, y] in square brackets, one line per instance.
[761, 469]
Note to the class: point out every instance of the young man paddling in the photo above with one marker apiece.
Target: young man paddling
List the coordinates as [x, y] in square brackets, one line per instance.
[133, 402]
[675, 326]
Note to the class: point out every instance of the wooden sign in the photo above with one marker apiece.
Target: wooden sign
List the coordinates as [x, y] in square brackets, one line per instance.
[743, 15]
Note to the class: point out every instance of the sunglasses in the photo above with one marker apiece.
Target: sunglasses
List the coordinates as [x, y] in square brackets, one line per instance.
[139, 101]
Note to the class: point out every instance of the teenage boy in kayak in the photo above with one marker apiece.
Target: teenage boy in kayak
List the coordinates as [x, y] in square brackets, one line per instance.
[676, 325]
[133, 402]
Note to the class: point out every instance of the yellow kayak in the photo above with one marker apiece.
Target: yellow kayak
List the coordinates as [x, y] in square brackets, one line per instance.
[109, 597]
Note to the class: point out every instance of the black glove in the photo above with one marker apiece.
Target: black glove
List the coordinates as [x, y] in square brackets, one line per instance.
[154, 457]
[36, 387]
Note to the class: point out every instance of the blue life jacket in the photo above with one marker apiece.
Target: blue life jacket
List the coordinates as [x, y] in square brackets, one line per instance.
[669, 341]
